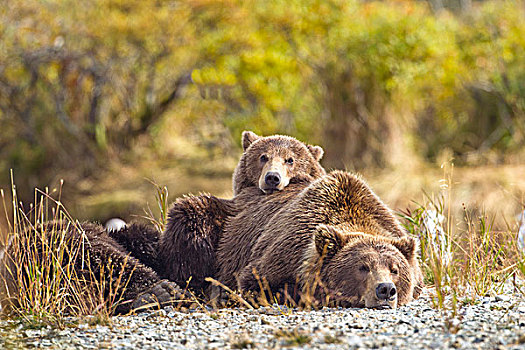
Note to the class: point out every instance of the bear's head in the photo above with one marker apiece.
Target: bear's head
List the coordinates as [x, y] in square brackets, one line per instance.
[362, 270]
[271, 163]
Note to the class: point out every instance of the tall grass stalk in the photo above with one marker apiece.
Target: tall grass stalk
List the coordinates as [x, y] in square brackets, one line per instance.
[161, 197]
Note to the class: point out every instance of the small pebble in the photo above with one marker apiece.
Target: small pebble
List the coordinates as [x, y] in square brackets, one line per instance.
[503, 297]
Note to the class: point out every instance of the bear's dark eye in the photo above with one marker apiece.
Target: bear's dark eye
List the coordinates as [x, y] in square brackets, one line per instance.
[264, 158]
[394, 270]
[289, 161]
[364, 268]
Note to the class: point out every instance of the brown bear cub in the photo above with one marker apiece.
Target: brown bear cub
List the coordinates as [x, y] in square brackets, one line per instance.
[271, 170]
[271, 163]
[187, 247]
[335, 242]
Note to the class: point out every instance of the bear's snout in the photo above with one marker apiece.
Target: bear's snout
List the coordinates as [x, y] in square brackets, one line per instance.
[386, 291]
[272, 179]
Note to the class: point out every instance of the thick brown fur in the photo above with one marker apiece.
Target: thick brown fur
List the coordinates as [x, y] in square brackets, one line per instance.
[141, 241]
[340, 210]
[187, 246]
[242, 230]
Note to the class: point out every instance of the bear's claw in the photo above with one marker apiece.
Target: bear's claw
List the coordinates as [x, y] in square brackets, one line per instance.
[114, 225]
[162, 294]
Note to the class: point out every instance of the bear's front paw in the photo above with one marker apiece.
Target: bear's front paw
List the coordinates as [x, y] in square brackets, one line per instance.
[162, 294]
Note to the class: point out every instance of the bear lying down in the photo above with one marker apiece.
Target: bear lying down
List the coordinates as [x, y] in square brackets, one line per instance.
[336, 242]
[359, 269]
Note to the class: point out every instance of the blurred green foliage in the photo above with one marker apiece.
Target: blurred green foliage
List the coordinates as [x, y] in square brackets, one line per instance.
[84, 83]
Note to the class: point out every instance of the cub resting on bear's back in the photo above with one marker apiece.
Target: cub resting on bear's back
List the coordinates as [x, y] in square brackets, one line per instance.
[336, 230]
[187, 247]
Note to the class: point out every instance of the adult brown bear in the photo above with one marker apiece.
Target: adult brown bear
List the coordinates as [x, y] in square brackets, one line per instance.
[336, 235]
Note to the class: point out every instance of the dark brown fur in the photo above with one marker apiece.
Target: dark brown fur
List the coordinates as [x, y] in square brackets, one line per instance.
[243, 229]
[141, 241]
[188, 244]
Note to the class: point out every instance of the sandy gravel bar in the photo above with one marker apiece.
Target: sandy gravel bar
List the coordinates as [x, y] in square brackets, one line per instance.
[496, 322]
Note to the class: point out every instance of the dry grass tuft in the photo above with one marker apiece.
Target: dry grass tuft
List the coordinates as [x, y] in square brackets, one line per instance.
[293, 338]
[40, 280]
[462, 257]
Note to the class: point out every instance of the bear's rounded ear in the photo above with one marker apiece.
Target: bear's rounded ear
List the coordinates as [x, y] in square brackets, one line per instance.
[248, 137]
[407, 246]
[317, 152]
[328, 240]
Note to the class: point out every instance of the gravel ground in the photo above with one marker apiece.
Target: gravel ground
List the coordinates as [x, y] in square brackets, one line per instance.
[492, 323]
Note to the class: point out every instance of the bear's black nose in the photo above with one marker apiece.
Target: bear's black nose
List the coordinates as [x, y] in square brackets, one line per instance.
[386, 291]
[272, 179]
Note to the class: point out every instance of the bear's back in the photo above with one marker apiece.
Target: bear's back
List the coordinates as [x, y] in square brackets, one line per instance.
[243, 230]
[337, 199]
